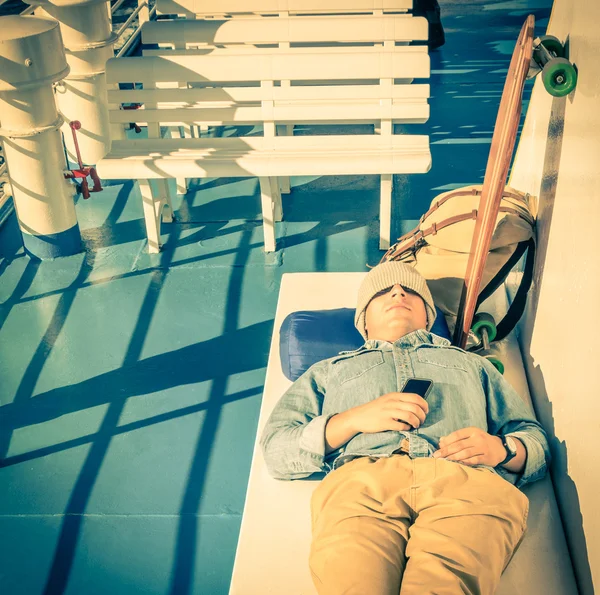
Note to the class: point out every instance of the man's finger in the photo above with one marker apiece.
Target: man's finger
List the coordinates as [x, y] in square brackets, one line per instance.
[416, 399]
[403, 410]
[458, 454]
[463, 454]
[407, 417]
[456, 447]
[401, 426]
[455, 436]
[476, 460]
[415, 409]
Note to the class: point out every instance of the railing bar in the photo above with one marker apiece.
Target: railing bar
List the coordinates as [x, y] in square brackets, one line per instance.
[116, 6]
[130, 19]
[133, 37]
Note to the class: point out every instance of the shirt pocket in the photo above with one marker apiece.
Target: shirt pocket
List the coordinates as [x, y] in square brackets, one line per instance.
[446, 358]
[351, 367]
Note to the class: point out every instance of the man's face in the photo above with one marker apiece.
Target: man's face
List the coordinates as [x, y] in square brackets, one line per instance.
[395, 312]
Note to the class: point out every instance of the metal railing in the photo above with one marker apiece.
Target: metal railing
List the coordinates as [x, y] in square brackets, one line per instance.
[138, 12]
[5, 188]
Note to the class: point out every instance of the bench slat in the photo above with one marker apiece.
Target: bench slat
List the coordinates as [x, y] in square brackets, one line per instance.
[314, 114]
[260, 143]
[260, 156]
[298, 53]
[268, 65]
[223, 7]
[344, 29]
[235, 95]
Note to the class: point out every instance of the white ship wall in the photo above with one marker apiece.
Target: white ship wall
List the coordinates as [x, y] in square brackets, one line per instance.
[558, 160]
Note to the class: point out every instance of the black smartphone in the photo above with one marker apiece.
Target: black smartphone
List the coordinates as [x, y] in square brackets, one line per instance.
[418, 386]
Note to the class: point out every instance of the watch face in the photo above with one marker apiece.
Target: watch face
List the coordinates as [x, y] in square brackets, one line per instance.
[512, 446]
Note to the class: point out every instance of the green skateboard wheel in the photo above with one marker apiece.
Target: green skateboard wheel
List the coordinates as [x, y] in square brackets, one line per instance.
[496, 363]
[553, 45]
[482, 321]
[559, 76]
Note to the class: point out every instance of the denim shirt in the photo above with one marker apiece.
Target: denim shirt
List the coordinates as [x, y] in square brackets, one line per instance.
[467, 391]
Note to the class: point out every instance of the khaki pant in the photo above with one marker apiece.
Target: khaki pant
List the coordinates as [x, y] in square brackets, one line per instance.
[396, 525]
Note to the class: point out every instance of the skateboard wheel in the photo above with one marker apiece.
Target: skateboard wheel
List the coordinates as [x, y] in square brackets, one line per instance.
[553, 45]
[559, 76]
[482, 321]
[496, 363]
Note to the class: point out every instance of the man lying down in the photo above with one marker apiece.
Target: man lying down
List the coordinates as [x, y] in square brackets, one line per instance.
[419, 495]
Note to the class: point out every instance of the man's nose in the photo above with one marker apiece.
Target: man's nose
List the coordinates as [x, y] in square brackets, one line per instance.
[398, 291]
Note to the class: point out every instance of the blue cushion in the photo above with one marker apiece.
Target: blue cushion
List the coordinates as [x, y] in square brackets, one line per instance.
[307, 337]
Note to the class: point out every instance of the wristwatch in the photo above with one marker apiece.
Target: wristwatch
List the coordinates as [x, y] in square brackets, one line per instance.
[511, 448]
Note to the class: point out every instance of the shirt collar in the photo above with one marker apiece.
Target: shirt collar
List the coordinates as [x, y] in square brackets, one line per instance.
[413, 339]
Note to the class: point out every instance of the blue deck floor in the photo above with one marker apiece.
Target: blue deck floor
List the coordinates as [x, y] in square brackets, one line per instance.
[130, 384]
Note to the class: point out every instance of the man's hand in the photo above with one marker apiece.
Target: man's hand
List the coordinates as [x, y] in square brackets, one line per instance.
[472, 446]
[392, 411]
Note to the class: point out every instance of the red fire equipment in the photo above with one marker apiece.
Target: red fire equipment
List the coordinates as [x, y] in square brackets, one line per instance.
[83, 172]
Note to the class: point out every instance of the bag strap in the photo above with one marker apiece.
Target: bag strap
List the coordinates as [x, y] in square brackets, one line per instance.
[413, 239]
[506, 194]
[517, 307]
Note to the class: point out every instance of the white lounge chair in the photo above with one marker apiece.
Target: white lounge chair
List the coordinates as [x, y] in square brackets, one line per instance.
[273, 547]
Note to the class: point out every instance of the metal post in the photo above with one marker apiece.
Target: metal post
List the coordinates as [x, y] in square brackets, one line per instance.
[32, 54]
[86, 29]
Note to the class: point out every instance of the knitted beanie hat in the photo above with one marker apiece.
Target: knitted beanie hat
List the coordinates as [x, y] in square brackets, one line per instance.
[384, 276]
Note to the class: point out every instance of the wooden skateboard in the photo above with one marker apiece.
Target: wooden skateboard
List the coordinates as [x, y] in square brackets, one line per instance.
[545, 55]
[503, 144]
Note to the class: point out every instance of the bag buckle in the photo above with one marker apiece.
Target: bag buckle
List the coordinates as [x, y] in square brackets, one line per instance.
[419, 241]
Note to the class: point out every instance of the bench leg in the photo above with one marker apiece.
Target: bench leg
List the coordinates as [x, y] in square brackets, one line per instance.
[181, 186]
[268, 211]
[176, 133]
[284, 185]
[284, 181]
[164, 196]
[157, 208]
[151, 216]
[276, 194]
[385, 211]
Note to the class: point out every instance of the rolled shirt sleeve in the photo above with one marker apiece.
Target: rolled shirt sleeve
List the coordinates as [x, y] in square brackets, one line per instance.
[293, 439]
[509, 415]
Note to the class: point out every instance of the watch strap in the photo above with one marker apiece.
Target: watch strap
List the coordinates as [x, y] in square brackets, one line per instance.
[509, 454]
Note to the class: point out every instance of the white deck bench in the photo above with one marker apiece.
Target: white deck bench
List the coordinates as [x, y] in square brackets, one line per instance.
[284, 32]
[274, 542]
[212, 28]
[204, 9]
[265, 87]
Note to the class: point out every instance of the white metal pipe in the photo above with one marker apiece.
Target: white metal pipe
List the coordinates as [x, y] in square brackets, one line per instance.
[32, 51]
[86, 29]
[5, 193]
[115, 131]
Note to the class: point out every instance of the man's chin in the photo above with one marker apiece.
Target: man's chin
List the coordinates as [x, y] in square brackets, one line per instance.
[395, 332]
